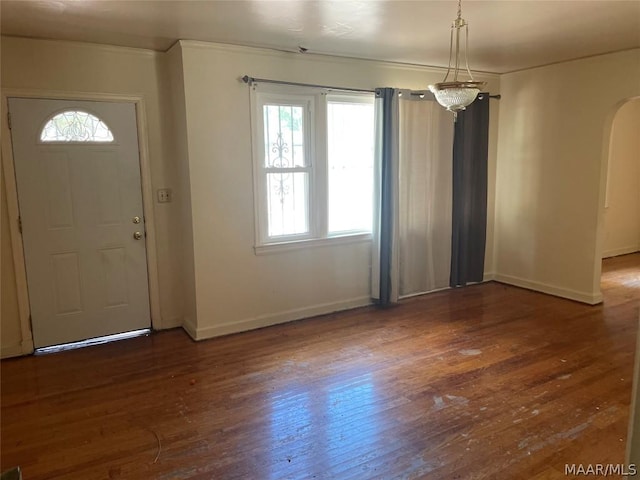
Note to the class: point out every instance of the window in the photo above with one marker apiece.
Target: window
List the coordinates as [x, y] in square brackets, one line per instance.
[75, 126]
[287, 168]
[313, 165]
[350, 163]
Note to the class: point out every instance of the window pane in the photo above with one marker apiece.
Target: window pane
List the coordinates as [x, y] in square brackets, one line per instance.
[283, 136]
[350, 166]
[75, 126]
[287, 198]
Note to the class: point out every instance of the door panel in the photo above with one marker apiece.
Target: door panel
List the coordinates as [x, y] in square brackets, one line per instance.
[59, 204]
[66, 274]
[86, 274]
[107, 188]
[114, 274]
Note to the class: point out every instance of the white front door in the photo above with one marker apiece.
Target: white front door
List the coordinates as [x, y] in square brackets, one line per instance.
[79, 193]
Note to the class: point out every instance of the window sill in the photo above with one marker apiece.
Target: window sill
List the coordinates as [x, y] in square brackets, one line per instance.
[270, 248]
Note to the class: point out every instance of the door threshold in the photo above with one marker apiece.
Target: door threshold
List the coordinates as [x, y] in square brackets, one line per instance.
[91, 341]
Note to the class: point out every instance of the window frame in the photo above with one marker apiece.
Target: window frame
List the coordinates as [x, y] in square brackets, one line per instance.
[315, 102]
[53, 116]
[261, 171]
[344, 98]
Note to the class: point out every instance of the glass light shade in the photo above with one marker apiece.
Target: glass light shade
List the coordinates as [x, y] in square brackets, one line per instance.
[455, 98]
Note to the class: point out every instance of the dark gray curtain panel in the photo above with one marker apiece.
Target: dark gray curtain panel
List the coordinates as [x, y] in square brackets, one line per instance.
[469, 222]
[388, 157]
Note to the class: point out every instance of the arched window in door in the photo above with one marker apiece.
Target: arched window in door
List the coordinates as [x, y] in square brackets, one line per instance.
[75, 126]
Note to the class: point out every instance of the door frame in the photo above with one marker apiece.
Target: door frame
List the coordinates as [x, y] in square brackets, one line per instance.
[603, 199]
[8, 165]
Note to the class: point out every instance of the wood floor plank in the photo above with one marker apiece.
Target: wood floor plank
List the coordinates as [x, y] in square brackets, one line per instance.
[490, 381]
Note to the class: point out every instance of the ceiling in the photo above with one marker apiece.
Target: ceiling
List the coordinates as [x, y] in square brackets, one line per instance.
[504, 35]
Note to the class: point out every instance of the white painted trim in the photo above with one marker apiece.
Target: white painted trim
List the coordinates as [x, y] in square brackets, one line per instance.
[68, 95]
[267, 95]
[27, 346]
[579, 59]
[273, 319]
[320, 57]
[149, 215]
[22, 292]
[488, 276]
[168, 323]
[607, 187]
[93, 46]
[12, 199]
[314, 104]
[11, 351]
[190, 328]
[583, 297]
[620, 251]
[607, 131]
[270, 248]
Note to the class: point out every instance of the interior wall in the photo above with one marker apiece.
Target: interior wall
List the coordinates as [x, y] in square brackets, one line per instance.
[235, 288]
[622, 211]
[75, 68]
[172, 69]
[549, 191]
[197, 113]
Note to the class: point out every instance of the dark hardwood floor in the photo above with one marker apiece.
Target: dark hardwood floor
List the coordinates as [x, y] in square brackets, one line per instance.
[489, 381]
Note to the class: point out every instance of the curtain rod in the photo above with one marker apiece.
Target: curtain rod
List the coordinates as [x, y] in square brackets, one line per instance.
[249, 80]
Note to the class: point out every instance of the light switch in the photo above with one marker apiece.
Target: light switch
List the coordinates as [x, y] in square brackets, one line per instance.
[164, 195]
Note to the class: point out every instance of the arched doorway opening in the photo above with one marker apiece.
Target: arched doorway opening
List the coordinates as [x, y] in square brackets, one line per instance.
[619, 216]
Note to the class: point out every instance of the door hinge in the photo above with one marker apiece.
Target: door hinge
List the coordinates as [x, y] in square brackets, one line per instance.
[20, 223]
[9, 119]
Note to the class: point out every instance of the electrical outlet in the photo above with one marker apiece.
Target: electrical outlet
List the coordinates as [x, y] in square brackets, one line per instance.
[164, 195]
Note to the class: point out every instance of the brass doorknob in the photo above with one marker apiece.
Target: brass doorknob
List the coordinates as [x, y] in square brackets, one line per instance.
[137, 235]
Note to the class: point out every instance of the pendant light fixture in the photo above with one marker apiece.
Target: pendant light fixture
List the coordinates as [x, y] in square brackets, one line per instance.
[456, 95]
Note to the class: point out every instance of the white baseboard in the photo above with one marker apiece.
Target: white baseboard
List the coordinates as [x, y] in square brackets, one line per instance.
[9, 351]
[488, 276]
[17, 350]
[620, 251]
[27, 346]
[190, 328]
[169, 323]
[272, 319]
[583, 297]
